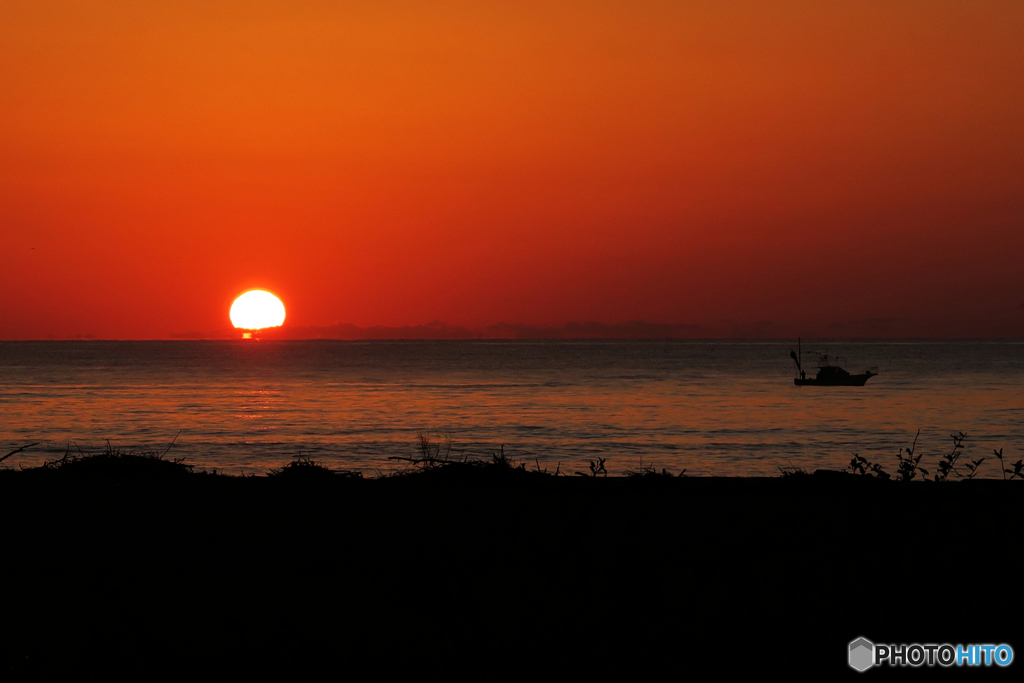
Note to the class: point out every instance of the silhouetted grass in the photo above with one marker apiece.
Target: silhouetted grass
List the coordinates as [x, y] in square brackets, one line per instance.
[439, 462]
[113, 463]
[793, 471]
[305, 469]
[438, 459]
[648, 471]
[19, 450]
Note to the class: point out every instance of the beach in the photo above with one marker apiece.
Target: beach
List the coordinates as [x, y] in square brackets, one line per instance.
[499, 568]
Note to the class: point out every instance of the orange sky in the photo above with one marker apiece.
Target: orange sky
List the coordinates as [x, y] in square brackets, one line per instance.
[840, 168]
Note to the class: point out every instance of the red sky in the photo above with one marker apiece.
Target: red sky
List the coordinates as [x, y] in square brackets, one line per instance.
[840, 168]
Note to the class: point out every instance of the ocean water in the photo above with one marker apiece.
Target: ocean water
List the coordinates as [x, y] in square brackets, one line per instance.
[709, 408]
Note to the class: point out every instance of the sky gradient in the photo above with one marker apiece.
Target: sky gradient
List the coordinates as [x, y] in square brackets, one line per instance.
[732, 169]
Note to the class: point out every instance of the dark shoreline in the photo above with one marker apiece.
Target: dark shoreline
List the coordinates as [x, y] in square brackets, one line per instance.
[500, 571]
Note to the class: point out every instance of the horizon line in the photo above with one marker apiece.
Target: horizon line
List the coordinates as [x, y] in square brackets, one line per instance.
[633, 330]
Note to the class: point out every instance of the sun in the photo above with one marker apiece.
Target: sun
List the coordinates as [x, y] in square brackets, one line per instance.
[257, 309]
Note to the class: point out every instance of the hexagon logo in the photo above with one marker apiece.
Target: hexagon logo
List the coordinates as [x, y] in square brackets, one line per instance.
[862, 654]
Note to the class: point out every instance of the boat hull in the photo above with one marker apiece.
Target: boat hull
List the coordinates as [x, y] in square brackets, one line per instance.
[848, 381]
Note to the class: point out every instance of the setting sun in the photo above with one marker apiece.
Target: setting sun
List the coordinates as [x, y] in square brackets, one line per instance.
[257, 309]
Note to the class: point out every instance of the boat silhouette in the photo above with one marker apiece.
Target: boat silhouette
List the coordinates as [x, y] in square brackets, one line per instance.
[829, 374]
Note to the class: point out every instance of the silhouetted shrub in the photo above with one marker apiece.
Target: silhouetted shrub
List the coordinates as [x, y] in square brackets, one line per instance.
[304, 468]
[114, 462]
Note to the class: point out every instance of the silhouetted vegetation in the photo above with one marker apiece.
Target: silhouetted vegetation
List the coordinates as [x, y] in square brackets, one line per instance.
[648, 471]
[304, 468]
[19, 450]
[792, 471]
[440, 460]
[437, 457]
[114, 462]
[908, 462]
[432, 453]
[1018, 467]
[595, 469]
[948, 463]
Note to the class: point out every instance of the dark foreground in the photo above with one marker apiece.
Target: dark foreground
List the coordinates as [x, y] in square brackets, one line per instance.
[490, 574]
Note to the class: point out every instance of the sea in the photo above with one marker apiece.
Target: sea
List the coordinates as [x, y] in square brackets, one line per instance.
[699, 408]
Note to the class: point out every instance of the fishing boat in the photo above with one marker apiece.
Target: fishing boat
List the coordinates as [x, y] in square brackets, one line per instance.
[829, 374]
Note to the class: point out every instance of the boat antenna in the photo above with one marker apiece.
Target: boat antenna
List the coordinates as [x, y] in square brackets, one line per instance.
[797, 358]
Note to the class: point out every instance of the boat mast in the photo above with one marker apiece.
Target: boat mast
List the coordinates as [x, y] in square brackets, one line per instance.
[796, 358]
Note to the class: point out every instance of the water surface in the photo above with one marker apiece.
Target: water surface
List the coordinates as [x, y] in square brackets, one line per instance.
[711, 408]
